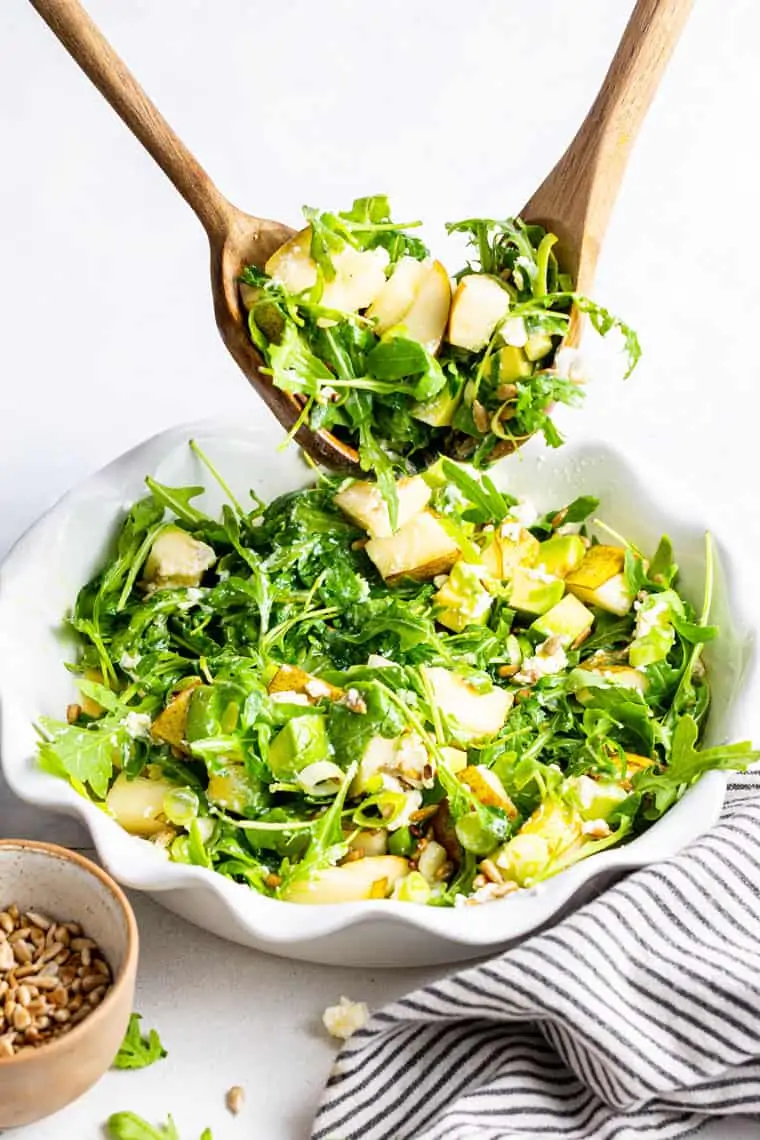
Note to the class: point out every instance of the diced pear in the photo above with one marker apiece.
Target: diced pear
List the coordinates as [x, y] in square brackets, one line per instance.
[476, 716]
[504, 553]
[561, 555]
[87, 704]
[359, 273]
[464, 598]
[534, 592]
[169, 726]
[513, 364]
[291, 265]
[488, 788]
[395, 299]
[421, 548]
[623, 675]
[554, 829]
[379, 754]
[599, 580]
[426, 320]
[364, 504]
[373, 877]
[291, 679]
[138, 804]
[538, 345]
[177, 559]
[478, 304]
[636, 763]
[567, 620]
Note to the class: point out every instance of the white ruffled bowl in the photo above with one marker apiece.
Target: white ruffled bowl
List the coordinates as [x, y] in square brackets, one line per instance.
[42, 574]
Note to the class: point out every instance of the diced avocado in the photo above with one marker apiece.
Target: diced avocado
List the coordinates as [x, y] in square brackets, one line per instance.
[654, 629]
[534, 592]
[513, 364]
[235, 790]
[473, 715]
[421, 548]
[365, 505]
[138, 804]
[624, 676]
[438, 411]
[455, 758]
[508, 548]
[600, 581]
[177, 559]
[561, 555]
[554, 829]
[464, 598]
[303, 740]
[568, 620]
[169, 725]
[538, 345]
[596, 799]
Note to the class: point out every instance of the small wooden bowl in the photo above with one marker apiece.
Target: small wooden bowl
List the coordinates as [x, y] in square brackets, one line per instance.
[68, 888]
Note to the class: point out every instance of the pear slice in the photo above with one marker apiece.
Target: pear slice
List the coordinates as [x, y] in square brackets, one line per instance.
[365, 505]
[476, 716]
[478, 305]
[426, 320]
[397, 296]
[359, 273]
[421, 548]
[370, 878]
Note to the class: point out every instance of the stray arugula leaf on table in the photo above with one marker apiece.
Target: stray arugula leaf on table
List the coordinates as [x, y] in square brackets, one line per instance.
[138, 1051]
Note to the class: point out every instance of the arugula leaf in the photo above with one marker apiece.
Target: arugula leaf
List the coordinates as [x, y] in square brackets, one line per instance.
[686, 764]
[178, 501]
[328, 843]
[663, 570]
[137, 1051]
[489, 503]
[84, 754]
[129, 1126]
[293, 366]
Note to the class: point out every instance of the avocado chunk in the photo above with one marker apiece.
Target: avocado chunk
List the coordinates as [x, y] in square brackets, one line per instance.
[235, 789]
[463, 597]
[438, 411]
[597, 799]
[421, 548]
[599, 580]
[537, 346]
[513, 364]
[534, 592]
[177, 559]
[655, 635]
[302, 741]
[568, 620]
[561, 555]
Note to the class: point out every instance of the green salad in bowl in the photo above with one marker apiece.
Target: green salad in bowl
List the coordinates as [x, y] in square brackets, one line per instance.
[311, 699]
[356, 320]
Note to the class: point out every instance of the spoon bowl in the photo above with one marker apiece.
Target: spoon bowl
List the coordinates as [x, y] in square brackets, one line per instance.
[574, 201]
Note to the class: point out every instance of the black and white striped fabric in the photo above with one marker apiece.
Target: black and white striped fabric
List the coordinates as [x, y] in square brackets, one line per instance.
[636, 1017]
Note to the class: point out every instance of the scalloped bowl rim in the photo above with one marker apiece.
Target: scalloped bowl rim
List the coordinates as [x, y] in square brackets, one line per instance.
[277, 926]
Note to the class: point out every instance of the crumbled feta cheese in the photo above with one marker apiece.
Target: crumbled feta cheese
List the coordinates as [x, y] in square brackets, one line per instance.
[137, 725]
[539, 575]
[413, 761]
[129, 661]
[354, 701]
[289, 697]
[344, 1019]
[192, 597]
[542, 664]
[440, 580]
[222, 575]
[413, 803]
[649, 613]
[525, 512]
[316, 688]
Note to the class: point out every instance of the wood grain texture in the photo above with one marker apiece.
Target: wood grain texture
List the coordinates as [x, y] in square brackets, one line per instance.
[576, 199]
[236, 238]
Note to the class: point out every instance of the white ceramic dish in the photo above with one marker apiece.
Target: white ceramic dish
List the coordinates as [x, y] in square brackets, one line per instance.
[42, 574]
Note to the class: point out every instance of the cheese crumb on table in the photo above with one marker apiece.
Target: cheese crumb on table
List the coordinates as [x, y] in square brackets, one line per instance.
[344, 1019]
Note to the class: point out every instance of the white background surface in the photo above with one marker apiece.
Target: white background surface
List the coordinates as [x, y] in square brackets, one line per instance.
[106, 333]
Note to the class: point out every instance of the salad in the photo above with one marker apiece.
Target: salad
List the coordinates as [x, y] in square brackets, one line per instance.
[308, 699]
[354, 318]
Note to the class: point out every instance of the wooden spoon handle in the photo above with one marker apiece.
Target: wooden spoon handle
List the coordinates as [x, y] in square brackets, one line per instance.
[579, 193]
[69, 21]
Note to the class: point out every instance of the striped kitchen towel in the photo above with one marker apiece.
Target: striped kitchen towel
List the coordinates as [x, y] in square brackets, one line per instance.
[638, 1016]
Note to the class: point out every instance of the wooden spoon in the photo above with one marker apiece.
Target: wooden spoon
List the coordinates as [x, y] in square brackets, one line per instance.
[574, 201]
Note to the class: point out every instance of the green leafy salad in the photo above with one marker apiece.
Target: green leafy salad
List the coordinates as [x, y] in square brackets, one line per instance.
[327, 707]
[354, 318]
